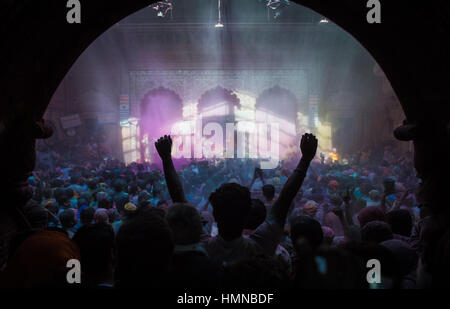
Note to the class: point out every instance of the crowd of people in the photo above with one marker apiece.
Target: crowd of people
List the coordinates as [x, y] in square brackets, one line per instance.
[309, 223]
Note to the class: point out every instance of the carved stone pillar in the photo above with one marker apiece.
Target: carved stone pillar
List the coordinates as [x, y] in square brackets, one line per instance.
[17, 161]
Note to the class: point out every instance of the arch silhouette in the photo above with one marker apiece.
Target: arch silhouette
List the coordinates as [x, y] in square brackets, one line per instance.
[59, 55]
[160, 107]
[217, 95]
[287, 103]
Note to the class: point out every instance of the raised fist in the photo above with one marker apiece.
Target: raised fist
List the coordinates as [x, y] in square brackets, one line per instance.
[308, 146]
[164, 146]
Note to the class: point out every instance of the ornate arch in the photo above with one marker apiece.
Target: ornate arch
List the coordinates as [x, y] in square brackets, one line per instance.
[149, 97]
[281, 101]
[217, 95]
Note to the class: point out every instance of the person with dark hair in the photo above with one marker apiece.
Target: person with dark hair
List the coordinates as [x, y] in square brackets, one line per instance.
[231, 204]
[61, 198]
[106, 203]
[86, 217]
[401, 223]
[268, 191]
[331, 219]
[144, 251]
[256, 216]
[144, 199]
[259, 271]
[376, 232]
[120, 197]
[191, 266]
[371, 213]
[307, 228]
[36, 215]
[405, 260]
[163, 204]
[96, 244]
[68, 221]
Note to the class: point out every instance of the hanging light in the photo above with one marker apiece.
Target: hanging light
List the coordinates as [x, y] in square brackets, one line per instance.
[323, 20]
[277, 6]
[219, 8]
[162, 7]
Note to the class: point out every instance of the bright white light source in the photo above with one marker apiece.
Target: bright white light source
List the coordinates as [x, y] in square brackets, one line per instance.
[324, 21]
[219, 22]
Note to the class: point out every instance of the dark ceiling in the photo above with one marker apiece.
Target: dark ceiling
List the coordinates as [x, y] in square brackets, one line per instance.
[234, 11]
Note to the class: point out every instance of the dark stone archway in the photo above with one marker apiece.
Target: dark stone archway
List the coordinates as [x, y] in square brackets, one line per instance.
[39, 47]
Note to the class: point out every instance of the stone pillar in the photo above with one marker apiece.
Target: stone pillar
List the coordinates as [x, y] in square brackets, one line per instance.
[17, 161]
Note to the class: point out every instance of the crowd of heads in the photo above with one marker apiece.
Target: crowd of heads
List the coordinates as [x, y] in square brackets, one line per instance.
[119, 221]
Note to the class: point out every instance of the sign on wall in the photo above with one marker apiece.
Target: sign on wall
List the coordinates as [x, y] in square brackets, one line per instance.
[70, 121]
[124, 107]
[105, 118]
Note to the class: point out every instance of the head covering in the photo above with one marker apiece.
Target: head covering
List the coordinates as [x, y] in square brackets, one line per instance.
[328, 234]
[371, 213]
[49, 202]
[129, 208]
[410, 200]
[101, 215]
[40, 261]
[310, 208]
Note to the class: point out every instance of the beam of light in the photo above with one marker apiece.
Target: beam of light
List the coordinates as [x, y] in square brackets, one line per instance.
[324, 134]
[190, 110]
[130, 143]
[247, 109]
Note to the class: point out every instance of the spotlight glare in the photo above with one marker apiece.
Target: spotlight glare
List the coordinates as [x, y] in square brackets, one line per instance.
[324, 21]
[219, 25]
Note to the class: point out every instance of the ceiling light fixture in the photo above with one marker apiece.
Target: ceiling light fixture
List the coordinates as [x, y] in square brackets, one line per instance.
[277, 6]
[162, 8]
[219, 8]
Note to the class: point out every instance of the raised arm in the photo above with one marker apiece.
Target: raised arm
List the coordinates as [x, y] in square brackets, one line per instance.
[255, 175]
[261, 176]
[340, 213]
[281, 206]
[164, 148]
[348, 209]
[398, 203]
